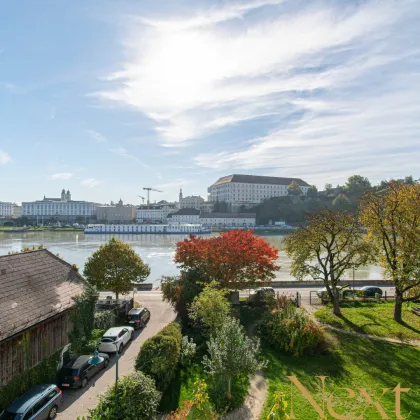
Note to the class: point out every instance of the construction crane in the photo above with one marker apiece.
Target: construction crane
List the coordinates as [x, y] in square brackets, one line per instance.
[148, 189]
[142, 198]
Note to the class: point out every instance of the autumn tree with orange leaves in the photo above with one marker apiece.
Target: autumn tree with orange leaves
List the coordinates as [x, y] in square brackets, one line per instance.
[234, 259]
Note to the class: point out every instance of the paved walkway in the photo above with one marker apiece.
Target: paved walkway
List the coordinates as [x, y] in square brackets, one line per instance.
[77, 402]
[254, 402]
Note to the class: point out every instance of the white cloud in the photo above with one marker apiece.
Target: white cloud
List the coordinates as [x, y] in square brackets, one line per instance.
[90, 182]
[98, 137]
[4, 157]
[62, 175]
[192, 76]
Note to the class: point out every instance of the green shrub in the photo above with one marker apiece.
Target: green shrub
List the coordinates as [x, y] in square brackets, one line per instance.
[134, 398]
[188, 351]
[90, 345]
[104, 320]
[173, 330]
[159, 356]
[292, 330]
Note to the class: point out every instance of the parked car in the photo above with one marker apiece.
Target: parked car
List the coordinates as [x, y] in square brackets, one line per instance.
[138, 317]
[371, 291]
[115, 339]
[259, 295]
[323, 293]
[39, 403]
[77, 373]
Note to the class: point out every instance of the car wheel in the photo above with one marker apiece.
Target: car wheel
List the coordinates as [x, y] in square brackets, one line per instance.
[106, 363]
[120, 348]
[84, 382]
[53, 412]
[132, 335]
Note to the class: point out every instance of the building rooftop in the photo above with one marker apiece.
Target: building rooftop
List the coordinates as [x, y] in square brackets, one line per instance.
[34, 286]
[228, 215]
[257, 179]
[186, 211]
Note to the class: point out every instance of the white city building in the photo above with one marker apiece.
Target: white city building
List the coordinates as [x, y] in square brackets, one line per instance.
[190, 202]
[185, 216]
[246, 189]
[6, 209]
[17, 211]
[155, 213]
[194, 202]
[63, 209]
[228, 219]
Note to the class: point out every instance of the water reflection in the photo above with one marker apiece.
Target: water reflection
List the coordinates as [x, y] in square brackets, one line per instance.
[157, 250]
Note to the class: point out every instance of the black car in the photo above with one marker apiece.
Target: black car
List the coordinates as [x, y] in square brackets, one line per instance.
[77, 373]
[371, 291]
[138, 317]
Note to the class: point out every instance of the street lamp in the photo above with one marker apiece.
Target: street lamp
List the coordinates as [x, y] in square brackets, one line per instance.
[96, 360]
[353, 279]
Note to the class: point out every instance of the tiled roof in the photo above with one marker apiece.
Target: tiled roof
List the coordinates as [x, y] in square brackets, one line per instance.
[257, 179]
[34, 286]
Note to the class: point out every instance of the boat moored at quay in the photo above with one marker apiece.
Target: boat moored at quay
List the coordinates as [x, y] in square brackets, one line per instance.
[171, 229]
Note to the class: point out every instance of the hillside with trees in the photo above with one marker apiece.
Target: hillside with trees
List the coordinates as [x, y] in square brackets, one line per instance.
[293, 208]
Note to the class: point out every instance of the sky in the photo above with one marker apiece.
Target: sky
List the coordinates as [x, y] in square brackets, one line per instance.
[107, 97]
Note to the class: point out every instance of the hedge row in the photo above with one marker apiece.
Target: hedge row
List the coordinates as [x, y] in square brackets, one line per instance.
[159, 356]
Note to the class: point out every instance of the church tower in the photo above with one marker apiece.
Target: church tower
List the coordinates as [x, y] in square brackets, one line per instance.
[63, 195]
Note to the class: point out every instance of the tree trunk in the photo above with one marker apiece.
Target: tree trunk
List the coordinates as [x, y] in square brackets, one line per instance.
[398, 307]
[229, 383]
[336, 309]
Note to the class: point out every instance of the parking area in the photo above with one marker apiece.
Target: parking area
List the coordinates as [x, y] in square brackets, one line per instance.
[78, 401]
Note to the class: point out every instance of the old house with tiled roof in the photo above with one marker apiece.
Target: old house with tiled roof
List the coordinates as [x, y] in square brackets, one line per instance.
[36, 296]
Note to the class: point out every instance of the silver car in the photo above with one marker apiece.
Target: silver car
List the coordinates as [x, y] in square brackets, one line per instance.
[39, 403]
[115, 339]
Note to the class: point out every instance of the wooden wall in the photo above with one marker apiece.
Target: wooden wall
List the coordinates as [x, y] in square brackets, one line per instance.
[28, 348]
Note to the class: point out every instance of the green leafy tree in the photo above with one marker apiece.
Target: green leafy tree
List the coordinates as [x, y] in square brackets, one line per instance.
[312, 192]
[294, 189]
[328, 245]
[115, 266]
[328, 189]
[83, 319]
[341, 202]
[210, 307]
[231, 353]
[392, 218]
[135, 397]
[356, 185]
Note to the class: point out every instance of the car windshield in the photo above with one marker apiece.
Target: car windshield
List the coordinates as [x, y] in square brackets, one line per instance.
[6, 415]
[133, 317]
[108, 339]
[69, 372]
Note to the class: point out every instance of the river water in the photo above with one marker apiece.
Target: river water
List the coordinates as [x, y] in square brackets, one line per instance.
[156, 250]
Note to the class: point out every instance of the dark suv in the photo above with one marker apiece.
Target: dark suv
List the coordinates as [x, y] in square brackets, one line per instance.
[370, 291]
[138, 317]
[77, 373]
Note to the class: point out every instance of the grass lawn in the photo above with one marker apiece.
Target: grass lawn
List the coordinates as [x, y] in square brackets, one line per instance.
[354, 362]
[373, 318]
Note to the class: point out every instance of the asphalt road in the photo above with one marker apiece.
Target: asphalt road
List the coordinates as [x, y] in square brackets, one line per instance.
[78, 401]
